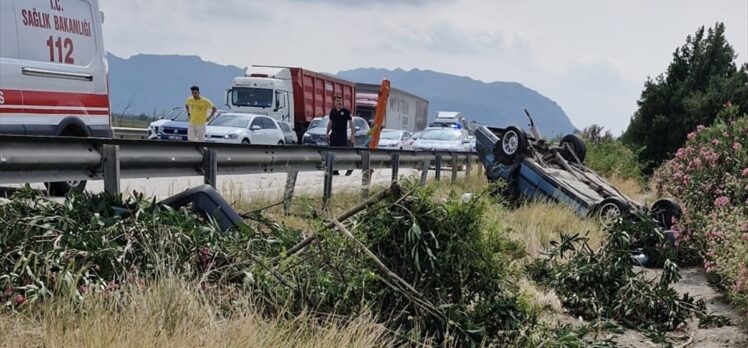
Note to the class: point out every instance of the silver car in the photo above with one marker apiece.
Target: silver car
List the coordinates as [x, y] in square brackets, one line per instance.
[395, 139]
[239, 128]
[443, 139]
[289, 135]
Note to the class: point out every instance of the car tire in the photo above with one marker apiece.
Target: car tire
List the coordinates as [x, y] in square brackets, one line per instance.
[664, 210]
[611, 209]
[512, 145]
[62, 188]
[246, 142]
[59, 189]
[281, 142]
[577, 145]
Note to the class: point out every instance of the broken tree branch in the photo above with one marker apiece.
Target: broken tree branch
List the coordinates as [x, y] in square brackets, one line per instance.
[353, 211]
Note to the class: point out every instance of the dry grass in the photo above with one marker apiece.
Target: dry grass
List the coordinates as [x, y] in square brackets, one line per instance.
[175, 314]
[631, 188]
[536, 224]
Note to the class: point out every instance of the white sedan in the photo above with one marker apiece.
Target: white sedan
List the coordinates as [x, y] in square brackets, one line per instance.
[236, 128]
[395, 139]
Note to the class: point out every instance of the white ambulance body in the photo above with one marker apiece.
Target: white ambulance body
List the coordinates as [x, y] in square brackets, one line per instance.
[53, 71]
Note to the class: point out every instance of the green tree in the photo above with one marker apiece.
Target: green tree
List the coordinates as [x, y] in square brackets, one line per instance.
[700, 81]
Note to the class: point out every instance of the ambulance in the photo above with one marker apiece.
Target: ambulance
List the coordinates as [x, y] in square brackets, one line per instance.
[53, 72]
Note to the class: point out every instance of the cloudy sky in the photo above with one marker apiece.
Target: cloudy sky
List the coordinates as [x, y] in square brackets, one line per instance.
[590, 56]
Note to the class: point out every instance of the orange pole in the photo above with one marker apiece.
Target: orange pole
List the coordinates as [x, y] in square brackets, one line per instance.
[376, 129]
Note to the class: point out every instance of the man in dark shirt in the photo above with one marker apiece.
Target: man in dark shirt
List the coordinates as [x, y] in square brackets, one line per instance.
[340, 117]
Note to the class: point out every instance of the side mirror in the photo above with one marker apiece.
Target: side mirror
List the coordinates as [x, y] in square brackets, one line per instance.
[255, 127]
[226, 97]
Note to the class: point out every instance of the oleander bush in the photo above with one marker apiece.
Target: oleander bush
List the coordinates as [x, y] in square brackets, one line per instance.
[709, 175]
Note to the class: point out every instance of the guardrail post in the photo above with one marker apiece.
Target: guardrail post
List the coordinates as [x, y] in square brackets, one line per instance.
[454, 167]
[468, 165]
[438, 165]
[425, 172]
[290, 186]
[329, 168]
[111, 168]
[365, 173]
[395, 166]
[210, 166]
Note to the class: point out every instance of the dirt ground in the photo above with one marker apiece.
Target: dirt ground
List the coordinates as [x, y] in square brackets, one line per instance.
[694, 283]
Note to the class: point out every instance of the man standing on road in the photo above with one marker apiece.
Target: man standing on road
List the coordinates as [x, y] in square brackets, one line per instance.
[197, 113]
[340, 119]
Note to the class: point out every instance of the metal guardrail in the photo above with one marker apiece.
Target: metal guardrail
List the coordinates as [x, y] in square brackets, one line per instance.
[47, 159]
[130, 133]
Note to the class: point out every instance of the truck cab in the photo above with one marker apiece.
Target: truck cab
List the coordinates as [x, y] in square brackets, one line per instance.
[264, 91]
[294, 96]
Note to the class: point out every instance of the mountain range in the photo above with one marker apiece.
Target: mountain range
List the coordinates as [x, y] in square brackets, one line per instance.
[152, 84]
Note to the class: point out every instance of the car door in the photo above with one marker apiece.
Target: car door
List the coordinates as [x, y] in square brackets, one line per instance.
[274, 134]
[255, 131]
[362, 130]
[405, 141]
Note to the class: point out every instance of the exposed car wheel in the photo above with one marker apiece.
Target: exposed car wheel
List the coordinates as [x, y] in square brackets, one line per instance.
[512, 145]
[665, 211]
[576, 144]
[611, 208]
[245, 142]
[280, 142]
[59, 189]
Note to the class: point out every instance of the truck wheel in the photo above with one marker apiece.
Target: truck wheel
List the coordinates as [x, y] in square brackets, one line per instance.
[576, 144]
[665, 211]
[612, 208]
[512, 145]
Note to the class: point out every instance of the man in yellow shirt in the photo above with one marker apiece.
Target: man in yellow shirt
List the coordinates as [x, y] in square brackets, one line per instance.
[197, 112]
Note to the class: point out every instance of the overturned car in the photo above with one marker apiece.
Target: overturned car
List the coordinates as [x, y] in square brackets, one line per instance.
[536, 169]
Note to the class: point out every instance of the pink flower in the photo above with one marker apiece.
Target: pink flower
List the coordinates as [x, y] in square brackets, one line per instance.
[716, 142]
[708, 266]
[741, 283]
[737, 146]
[700, 128]
[691, 135]
[745, 172]
[19, 300]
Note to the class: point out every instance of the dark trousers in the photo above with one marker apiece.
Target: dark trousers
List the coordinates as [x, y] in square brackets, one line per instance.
[339, 139]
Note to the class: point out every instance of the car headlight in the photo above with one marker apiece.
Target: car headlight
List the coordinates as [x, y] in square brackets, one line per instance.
[231, 136]
[307, 135]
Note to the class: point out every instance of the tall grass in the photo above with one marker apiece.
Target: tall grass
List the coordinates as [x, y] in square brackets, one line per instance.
[174, 313]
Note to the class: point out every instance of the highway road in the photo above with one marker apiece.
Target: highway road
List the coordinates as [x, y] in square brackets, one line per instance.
[269, 187]
[254, 186]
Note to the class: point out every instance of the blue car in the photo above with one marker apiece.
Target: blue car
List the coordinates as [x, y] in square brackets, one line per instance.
[174, 130]
[536, 169]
